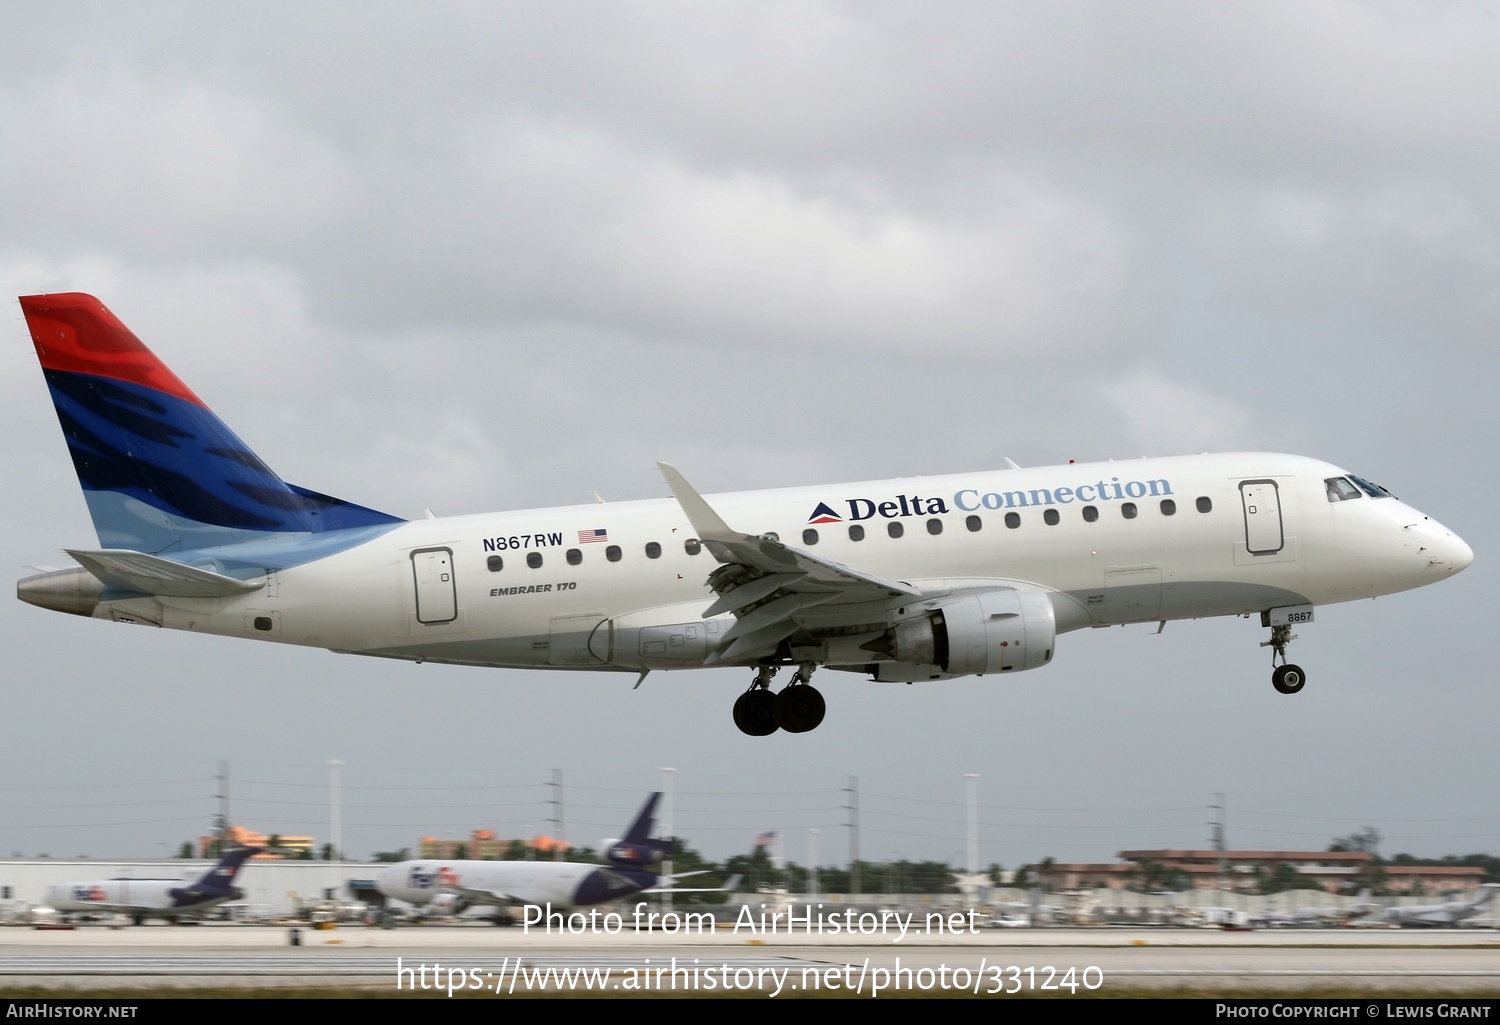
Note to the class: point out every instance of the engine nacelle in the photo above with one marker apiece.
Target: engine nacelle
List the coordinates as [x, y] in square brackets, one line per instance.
[997, 631]
[446, 904]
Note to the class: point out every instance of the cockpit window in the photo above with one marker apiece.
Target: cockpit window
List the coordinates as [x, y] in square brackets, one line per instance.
[1340, 490]
[1373, 490]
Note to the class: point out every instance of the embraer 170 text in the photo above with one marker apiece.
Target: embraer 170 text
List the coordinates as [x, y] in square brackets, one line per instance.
[908, 580]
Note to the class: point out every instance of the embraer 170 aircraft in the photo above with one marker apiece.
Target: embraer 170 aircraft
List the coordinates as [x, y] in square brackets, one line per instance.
[451, 887]
[141, 899]
[928, 578]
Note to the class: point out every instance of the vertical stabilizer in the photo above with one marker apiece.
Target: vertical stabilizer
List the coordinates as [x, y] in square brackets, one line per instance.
[159, 470]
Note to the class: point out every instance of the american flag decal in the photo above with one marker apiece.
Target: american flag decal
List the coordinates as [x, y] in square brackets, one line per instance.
[589, 537]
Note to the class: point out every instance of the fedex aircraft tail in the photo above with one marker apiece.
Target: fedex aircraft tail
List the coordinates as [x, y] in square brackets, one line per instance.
[219, 880]
[161, 473]
[638, 849]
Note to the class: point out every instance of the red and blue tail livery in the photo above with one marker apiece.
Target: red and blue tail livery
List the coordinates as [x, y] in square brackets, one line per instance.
[160, 471]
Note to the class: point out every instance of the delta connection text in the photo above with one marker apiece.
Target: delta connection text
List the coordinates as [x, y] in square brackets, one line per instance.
[810, 921]
[972, 499]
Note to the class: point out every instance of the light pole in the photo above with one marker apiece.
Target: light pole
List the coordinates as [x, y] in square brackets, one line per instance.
[666, 831]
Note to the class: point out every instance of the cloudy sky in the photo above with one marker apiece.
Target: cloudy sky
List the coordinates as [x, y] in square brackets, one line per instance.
[482, 256]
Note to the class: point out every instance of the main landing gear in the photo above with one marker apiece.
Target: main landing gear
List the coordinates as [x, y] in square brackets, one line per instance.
[797, 709]
[1286, 678]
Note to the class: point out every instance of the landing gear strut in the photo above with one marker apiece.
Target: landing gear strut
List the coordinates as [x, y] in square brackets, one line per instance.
[798, 708]
[1286, 678]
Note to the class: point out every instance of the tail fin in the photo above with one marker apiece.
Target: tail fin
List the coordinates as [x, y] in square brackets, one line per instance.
[219, 880]
[159, 470]
[638, 848]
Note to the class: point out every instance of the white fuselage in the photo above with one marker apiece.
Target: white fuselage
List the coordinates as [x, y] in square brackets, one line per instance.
[141, 897]
[622, 585]
[461, 884]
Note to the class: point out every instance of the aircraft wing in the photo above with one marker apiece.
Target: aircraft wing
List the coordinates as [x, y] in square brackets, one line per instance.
[490, 898]
[730, 885]
[771, 586]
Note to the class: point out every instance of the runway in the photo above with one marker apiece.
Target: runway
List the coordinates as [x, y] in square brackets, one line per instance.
[474, 960]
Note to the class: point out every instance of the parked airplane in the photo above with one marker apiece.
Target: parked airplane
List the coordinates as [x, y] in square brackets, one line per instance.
[908, 580]
[451, 887]
[1436, 916]
[141, 899]
[1309, 917]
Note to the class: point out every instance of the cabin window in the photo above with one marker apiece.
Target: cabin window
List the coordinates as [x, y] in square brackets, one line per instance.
[612, 553]
[534, 560]
[574, 556]
[1090, 513]
[1050, 517]
[1168, 507]
[1012, 520]
[809, 536]
[934, 526]
[895, 529]
[495, 563]
[1205, 504]
[653, 550]
[692, 546]
[1128, 510]
[856, 532]
[974, 523]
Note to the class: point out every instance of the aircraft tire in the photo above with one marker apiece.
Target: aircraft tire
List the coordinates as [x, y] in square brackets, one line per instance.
[755, 714]
[799, 708]
[1288, 679]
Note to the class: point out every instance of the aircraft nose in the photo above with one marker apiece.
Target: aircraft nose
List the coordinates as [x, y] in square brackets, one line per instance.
[1462, 554]
[1446, 551]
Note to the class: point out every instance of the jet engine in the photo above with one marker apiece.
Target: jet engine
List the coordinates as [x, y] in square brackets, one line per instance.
[446, 904]
[996, 631]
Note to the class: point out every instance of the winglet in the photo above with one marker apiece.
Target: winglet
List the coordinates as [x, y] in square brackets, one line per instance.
[708, 524]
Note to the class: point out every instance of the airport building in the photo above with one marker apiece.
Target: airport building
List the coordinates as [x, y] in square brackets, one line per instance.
[1334, 871]
[483, 846]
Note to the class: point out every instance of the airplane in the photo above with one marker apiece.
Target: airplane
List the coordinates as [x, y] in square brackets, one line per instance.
[140, 899]
[907, 580]
[448, 887]
[1309, 917]
[1437, 916]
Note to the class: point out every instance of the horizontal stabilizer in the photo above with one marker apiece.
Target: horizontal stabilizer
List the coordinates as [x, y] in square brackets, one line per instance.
[151, 574]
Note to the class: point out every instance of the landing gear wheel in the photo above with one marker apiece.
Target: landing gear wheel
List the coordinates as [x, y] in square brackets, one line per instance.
[799, 708]
[1288, 679]
[755, 713]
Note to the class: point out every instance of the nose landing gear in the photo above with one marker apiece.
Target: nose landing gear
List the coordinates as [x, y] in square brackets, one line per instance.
[1286, 678]
[797, 709]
